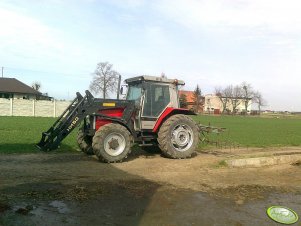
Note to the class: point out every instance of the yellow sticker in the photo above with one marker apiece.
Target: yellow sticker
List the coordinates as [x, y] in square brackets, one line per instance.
[108, 104]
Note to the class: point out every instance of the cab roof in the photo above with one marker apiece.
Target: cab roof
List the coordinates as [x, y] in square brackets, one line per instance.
[154, 79]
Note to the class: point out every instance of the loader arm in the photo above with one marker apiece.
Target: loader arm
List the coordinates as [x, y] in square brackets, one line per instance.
[75, 113]
[65, 123]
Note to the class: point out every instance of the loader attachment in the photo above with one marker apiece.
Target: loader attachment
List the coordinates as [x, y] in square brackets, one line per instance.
[64, 125]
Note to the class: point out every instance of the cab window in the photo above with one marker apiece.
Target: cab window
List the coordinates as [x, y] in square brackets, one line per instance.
[156, 99]
[134, 92]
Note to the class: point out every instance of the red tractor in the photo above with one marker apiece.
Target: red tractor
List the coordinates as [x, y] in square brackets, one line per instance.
[150, 116]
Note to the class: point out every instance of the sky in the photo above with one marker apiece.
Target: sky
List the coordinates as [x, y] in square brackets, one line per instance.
[213, 43]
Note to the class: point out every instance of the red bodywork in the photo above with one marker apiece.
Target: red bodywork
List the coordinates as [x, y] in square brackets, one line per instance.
[169, 112]
[117, 112]
[113, 112]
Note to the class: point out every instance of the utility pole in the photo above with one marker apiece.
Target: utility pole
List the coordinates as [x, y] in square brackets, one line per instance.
[118, 86]
[2, 71]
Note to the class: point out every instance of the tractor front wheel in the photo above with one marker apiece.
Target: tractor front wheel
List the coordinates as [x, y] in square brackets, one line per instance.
[112, 143]
[178, 137]
[84, 142]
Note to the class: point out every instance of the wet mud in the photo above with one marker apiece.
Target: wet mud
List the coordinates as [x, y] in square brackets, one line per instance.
[74, 189]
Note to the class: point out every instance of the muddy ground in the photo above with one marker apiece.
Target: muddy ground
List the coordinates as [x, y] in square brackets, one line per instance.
[147, 189]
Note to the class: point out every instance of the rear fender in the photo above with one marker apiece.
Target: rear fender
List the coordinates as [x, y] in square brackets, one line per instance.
[169, 112]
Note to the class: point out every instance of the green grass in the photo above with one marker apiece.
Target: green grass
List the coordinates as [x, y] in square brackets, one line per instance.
[20, 134]
[221, 164]
[256, 131]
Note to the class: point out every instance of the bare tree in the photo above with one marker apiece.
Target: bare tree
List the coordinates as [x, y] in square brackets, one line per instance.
[236, 98]
[224, 94]
[36, 86]
[247, 94]
[259, 100]
[218, 92]
[197, 96]
[104, 79]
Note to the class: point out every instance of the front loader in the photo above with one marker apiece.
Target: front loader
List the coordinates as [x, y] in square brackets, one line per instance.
[150, 116]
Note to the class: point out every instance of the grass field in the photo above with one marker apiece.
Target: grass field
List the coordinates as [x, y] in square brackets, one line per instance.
[256, 131]
[20, 134]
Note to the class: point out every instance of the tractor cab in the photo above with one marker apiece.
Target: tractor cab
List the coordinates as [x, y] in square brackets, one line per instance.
[152, 96]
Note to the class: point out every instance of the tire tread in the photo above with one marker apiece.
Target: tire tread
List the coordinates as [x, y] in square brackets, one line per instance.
[99, 138]
[164, 141]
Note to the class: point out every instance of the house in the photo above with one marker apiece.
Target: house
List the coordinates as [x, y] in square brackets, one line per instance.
[213, 105]
[15, 89]
[190, 98]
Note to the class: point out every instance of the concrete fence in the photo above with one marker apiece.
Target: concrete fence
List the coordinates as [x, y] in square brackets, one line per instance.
[37, 108]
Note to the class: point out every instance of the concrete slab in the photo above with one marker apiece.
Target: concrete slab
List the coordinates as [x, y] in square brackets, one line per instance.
[264, 161]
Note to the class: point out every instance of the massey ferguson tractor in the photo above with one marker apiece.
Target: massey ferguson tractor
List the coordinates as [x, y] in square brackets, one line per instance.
[149, 116]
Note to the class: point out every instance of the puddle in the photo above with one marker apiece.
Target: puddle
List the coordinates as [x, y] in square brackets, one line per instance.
[4, 207]
[60, 206]
[180, 207]
[23, 209]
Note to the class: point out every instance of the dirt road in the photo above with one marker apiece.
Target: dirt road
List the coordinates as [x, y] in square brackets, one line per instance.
[75, 189]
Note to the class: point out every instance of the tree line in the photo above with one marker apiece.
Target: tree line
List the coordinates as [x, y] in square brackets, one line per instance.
[230, 97]
[105, 80]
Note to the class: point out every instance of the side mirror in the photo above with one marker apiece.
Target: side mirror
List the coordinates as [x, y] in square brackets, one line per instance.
[123, 90]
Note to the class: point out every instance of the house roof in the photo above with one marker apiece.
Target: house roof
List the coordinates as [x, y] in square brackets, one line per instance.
[12, 85]
[189, 95]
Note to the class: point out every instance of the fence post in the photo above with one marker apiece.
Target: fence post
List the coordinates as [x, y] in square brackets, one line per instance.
[54, 108]
[11, 107]
[33, 108]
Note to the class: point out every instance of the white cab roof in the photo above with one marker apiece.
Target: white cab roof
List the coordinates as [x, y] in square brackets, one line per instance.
[154, 79]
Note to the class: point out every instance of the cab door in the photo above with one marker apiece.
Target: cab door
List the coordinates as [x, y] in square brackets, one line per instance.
[135, 93]
[155, 100]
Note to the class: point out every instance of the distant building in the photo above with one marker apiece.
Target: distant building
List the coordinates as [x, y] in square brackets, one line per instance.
[15, 89]
[191, 100]
[213, 105]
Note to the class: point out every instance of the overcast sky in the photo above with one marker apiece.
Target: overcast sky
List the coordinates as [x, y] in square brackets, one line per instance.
[207, 42]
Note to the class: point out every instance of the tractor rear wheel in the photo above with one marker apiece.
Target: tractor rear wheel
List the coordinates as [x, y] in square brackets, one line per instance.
[112, 143]
[178, 137]
[84, 142]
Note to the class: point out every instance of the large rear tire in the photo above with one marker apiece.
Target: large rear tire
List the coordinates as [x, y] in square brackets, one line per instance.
[112, 143]
[84, 142]
[178, 137]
